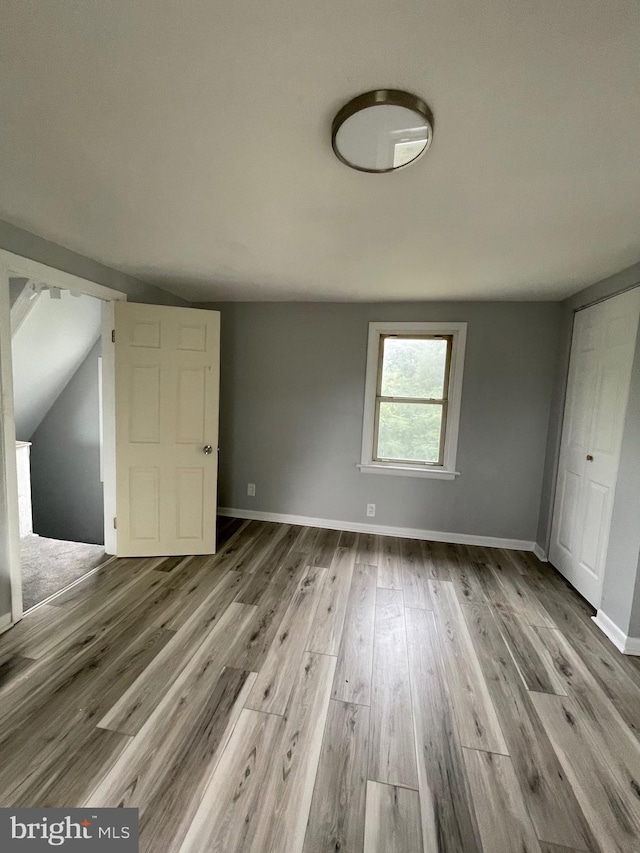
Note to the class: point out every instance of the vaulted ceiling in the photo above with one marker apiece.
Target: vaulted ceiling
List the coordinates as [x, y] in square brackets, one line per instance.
[187, 142]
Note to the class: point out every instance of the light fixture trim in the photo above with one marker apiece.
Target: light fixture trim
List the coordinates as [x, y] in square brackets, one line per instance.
[382, 97]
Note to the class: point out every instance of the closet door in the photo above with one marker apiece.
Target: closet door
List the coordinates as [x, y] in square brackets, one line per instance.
[602, 353]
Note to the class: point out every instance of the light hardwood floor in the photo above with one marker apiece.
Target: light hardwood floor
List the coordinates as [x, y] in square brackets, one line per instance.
[308, 691]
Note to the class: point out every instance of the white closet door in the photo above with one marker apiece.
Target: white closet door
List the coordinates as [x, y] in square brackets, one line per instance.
[167, 365]
[598, 388]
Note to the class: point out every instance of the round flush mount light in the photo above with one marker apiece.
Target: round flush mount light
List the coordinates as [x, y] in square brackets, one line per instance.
[382, 131]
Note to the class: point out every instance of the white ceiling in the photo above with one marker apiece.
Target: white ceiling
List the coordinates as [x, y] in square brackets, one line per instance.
[187, 142]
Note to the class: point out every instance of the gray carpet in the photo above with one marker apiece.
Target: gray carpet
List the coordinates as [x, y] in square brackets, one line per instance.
[48, 565]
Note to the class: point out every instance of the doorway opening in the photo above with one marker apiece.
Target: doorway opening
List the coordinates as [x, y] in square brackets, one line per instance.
[53, 325]
[56, 356]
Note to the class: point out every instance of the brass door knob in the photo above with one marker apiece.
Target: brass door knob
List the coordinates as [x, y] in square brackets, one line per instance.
[207, 450]
[589, 457]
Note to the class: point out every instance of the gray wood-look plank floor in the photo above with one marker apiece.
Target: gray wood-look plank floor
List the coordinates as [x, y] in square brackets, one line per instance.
[309, 691]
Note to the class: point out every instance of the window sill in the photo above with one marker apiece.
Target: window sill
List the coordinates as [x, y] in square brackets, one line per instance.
[407, 471]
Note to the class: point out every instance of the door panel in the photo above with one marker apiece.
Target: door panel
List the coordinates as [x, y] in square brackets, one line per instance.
[597, 390]
[568, 503]
[167, 363]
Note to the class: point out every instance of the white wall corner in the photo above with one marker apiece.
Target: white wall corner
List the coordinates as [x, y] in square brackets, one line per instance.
[5, 623]
[627, 645]
[540, 553]
[380, 529]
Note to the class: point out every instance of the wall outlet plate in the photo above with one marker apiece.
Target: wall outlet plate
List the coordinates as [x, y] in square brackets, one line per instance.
[251, 490]
[371, 510]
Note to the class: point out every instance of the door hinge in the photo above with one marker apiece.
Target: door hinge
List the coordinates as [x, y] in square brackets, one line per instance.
[115, 523]
[113, 336]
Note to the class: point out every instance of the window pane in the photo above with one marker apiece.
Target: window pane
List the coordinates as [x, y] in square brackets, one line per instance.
[413, 368]
[410, 431]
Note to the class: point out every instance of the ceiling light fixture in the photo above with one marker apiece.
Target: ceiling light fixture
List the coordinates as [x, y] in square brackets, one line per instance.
[382, 131]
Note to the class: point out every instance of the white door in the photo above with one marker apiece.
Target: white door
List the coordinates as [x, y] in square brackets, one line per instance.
[167, 365]
[602, 353]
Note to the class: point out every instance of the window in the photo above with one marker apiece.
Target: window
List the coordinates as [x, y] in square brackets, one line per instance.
[412, 398]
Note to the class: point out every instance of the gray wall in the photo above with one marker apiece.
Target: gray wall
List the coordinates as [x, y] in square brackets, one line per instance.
[65, 462]
[28, 245]
[292, 393]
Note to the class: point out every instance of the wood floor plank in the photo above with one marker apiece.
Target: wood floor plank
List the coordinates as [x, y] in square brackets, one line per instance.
[199, 581]
[50, 718]
[534, 661]
[389, 567]
[326, 632]
[307, 541]
[525, 562]
[368, 549]
[213, 619]
[227, 529]
[355, 658]
[392, 823]
[503, 819]
[275, 681]
[440, 559]
[325, 548]
[85, 759]
[172, 563]
[49, 628]
[468, 578]
[253, 642]
[283, 566]
[271, 547]
[336, 819]
[259, 798]
[229, 809]
[545, 847]
[234, 554]
[167, 767]
[611, 735]
[348, 539]
[111, 579]
[11, 667]
[611, 808]
[554, 810]
[448, 818]
[607, 665]
[86, 677]
[289, 786]
[415, 579]
[392, 757]
[92, 620]
[517, 593]
[473, 707]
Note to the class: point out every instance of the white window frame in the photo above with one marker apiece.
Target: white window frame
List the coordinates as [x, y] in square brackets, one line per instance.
[446, 471]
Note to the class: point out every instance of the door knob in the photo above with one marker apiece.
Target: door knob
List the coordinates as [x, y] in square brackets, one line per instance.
[207, 449]
[589, 457]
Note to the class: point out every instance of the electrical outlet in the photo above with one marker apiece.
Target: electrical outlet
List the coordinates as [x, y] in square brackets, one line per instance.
[371, 510]
[251, 490]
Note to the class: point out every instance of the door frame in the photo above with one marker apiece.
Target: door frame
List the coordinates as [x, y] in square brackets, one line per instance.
[16, 265]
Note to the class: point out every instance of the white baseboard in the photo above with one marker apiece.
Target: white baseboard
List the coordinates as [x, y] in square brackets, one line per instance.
[381, 530]
[5, 623]
[627, 645]
[540, 554]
